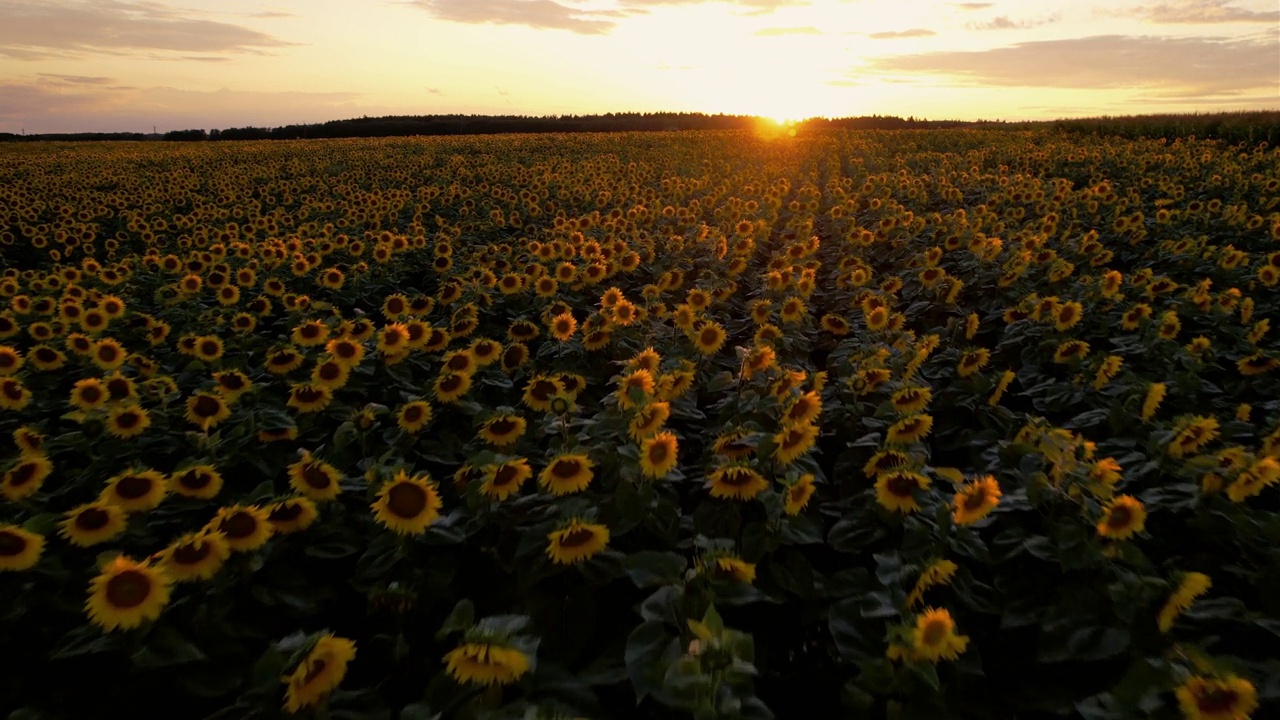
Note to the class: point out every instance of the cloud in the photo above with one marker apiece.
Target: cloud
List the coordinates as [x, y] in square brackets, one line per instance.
[895, 34]
[54, 104]
[541, 14]
[1002, 22]
[757, 7]
[1218, 66]
[972, 5]
[1199, 12]
[77, 79]
[58, 28]
[776, 31]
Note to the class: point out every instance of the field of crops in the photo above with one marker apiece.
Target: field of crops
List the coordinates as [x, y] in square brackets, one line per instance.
[969, 424]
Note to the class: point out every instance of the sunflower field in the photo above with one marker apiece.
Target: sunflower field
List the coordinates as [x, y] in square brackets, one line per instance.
[916, 424]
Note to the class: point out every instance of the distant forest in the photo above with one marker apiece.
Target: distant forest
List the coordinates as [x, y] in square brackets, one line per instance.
[1249, 127]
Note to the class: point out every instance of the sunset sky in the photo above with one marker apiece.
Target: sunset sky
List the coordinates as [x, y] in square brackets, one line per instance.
[116, 65]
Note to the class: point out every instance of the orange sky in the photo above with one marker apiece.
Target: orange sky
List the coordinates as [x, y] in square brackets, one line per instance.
[116, 65]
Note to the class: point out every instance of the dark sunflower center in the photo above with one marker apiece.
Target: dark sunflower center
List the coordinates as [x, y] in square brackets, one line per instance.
[44, 355]
[566, 469]
[239, 526]
[22, 475]
[11, 544]
[286, 512]
[128, 419]
[193, 480]
[1217, 701]
[309, 395]
[132, 487]
[406, 500]
[317, 667]
[316, 477]
[344, 350]
[91, 394]
[231, 382]
[736, 478]
[976, 498]
[310, 332]
[191, 553]
[502, 427]
[330, 371]
[543, 390]
[107, 353]
[1120, 517]
[209, 348]
[206, 406]
[458, 363]
[451, 383]
[901, 485]
[118, 388]
[128, 590]
[577, 537]
[710, 336]
[505, 475]
[934, 632]
[93, 519]
[658, 453]
[413, 414]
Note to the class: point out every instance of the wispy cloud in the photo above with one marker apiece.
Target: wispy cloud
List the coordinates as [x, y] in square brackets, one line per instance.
[776, 31]
[1198, 12]
[756, 5]
[1221, 65]
[542, 14]
[60, 28]
[972, 5]
[895, 34]
[1004, 22]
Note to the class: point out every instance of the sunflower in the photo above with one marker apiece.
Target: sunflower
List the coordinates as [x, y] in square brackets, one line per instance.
[1170, 325]
[46, 358]
[1071, 351]
[798, 494]
[486, 663]
[485, 351]
[1107, 370]
[937, 573]
[911, 400]
[734, 568]
[541, 390]
[1217, 698]
[1122, 518]
[93, 523]
[976, 500]
[659, 454]
[1263, 473]
[1067, 315]
[126, 594]
[28, 439]
[292, 515]
[13, 394]
[1192, 586]
[1196, 433]
[19, 549]
[758, 360]
[934, 636]
[195, 556]
[972, 361]
[563, 326]
[393, 339]
[502, 480]
[503, 430]
[835, 325]
[205, 410]
[793, 441]
[10, 360]
[566, 474]
[910, 429]
[414, 415]
[319, 672]
[330, 374]
[201, 482]
[1155, 395]
[345, 350]
[231, 384]
[461, 362]
[89, 393]
[26, 476]
[804, 409]
[736, 482]
[896, 490]
[648, 420]
[246, 527]
[1256, 364]
[108, 354]
[309, 398]
[136, 490]
[316, 479]
[283, 361]
[208, 348]
[1134, 317]
[120, 389]
[709, 338]
[576, 542]
[126, 421]
[877, 318]
[451, 386]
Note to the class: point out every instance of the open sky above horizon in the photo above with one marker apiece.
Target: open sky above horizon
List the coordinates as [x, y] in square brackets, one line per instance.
[123, 65]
